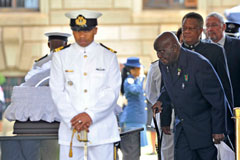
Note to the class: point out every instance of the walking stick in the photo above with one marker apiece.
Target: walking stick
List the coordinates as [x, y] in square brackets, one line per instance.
[159, 138]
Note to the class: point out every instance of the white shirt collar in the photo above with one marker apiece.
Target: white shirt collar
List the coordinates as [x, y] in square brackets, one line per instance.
[222, 40]
[88, 48]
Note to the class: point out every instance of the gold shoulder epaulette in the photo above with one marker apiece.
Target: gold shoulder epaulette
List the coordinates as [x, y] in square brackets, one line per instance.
[108, 48]
[61, 48]
[37, 60]
[154, 61]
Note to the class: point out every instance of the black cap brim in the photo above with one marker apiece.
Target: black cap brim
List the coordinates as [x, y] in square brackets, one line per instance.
[57, 37]
[78, 28]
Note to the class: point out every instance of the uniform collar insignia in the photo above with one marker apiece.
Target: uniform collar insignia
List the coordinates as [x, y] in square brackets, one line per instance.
[60, 48]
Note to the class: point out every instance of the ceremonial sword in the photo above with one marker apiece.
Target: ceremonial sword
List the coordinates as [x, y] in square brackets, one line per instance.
[82, 137]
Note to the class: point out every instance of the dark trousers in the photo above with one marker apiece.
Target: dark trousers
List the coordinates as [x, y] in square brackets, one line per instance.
[130, 146]
[183, 151]
[231, 131]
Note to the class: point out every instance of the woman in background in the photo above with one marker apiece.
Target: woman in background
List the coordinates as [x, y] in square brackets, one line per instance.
[134, 113]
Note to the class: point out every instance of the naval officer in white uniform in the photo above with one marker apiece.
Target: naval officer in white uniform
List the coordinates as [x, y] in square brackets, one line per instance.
[85, 82]
[55, 40]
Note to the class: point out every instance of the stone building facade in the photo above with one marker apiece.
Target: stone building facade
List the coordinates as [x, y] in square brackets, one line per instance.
[125, 27]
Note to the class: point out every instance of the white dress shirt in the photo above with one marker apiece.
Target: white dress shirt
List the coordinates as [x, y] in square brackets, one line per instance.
[222, 40]
[153, 83]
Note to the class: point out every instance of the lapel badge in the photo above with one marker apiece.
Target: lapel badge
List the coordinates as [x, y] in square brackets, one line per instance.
[179, 71]
[183, 85]
[167, 69]
[70, 83]
[186, 77]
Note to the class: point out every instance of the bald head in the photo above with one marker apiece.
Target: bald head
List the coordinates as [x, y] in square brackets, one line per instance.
[167, 47]
[166, 37]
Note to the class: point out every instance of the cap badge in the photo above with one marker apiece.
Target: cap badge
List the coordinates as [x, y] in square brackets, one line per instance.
[81, 21]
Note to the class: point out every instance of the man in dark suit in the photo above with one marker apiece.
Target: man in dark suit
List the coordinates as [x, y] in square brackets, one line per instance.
[193, 87]
[192, 27]
[215, 28]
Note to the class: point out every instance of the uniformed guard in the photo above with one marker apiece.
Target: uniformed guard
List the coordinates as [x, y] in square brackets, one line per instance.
[35, 113]
[194, 89]
[85, 83]
[232, 29]
[55, 40]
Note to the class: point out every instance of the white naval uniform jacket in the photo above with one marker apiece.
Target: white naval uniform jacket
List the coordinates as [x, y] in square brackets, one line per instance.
[86, 80]
[40, 66]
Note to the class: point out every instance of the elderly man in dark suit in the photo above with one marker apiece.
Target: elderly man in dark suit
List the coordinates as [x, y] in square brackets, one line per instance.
[192, 27]
[215, 28]
[193, 87]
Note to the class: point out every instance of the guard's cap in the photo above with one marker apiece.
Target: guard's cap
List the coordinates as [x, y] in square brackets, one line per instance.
[83, 20]
[133, 62]
[232, 28]
[57, 35]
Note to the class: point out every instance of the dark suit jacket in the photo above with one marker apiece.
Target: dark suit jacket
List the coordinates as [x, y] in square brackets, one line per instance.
[197, 96]
[232, 50]
[215, 54]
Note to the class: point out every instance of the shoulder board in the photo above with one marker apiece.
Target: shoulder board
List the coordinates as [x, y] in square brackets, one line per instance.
[61, 48]
[37, 60]
[108, 48]
[154, 61]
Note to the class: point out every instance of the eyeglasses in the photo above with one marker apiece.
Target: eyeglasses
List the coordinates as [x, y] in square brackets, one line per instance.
[212, 25]
[189, 28]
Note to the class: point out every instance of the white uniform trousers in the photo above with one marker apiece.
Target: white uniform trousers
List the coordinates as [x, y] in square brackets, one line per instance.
[168, 146]
[99, 152]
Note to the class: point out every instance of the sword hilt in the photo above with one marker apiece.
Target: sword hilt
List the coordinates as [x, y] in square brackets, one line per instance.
[82, 137]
